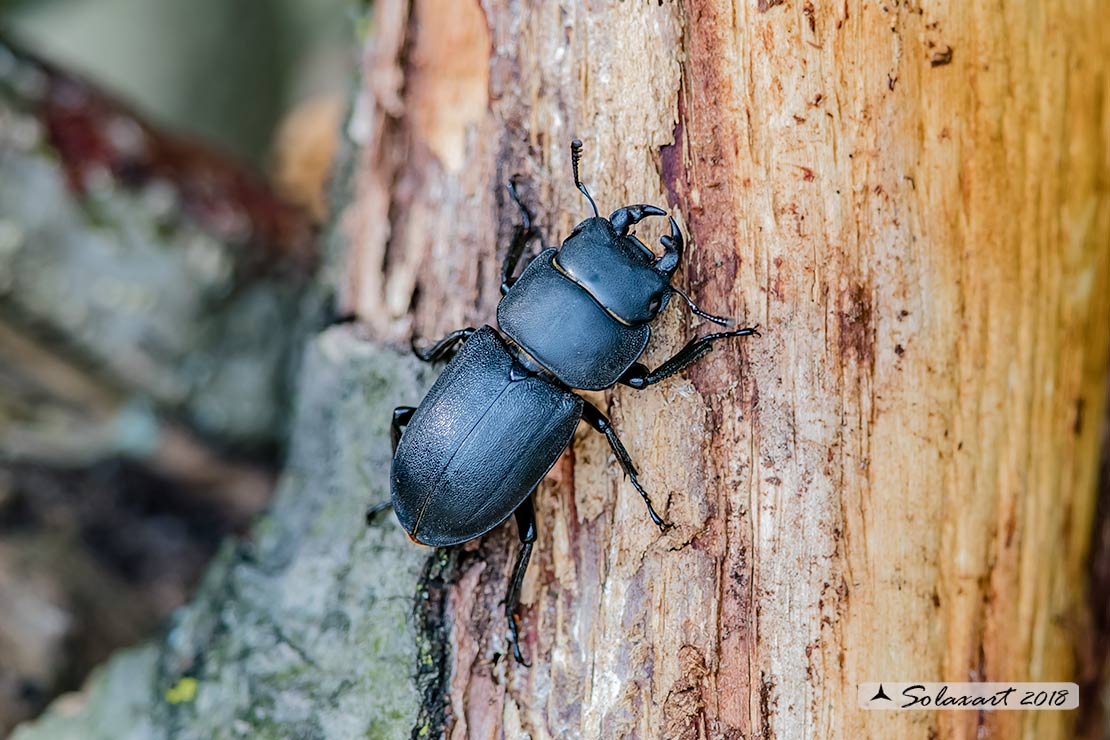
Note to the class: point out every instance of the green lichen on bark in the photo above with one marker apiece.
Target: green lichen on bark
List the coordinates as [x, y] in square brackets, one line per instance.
[306, 628]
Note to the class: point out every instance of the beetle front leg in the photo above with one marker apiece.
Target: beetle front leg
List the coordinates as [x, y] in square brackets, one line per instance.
[638, 376]
[598, 421]
[522, 234]
[526, 529]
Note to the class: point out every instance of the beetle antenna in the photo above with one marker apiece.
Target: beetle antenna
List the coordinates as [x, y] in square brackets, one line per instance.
[705, 315]
[575, 155]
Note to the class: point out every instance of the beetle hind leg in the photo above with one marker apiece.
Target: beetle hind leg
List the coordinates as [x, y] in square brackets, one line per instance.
[373, 512]
[402, 415]
[445, 348]
[601, 423]
[526, 529]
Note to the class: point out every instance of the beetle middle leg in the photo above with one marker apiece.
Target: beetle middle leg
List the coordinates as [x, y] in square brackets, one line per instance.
[526, 529]
[374, 511]
[601, 423]
[402, 415]
[638, 376]
[523, 233]
[445, 348]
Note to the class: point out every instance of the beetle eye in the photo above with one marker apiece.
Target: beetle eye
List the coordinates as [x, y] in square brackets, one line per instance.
[654, 305]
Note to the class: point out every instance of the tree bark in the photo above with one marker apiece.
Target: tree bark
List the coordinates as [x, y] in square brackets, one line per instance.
[896, 482]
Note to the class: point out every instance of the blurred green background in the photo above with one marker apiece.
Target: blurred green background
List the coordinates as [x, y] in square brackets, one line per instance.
[220, 70]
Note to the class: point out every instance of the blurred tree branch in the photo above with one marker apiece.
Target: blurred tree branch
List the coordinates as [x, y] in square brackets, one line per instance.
[154, 298]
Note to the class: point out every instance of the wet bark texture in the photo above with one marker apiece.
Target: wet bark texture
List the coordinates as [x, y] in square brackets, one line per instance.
[897, 480]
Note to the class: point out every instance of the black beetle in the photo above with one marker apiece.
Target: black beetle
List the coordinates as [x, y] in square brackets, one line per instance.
[503, 410]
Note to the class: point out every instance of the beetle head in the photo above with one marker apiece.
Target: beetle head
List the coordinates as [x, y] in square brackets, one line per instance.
[613, 266]
[617, 269]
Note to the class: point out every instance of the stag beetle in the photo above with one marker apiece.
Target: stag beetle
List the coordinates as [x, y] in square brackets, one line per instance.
[503, 410]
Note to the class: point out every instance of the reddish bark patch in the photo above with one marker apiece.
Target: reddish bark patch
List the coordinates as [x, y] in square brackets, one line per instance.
[700, 172]
[670, 158]
[1093, 648]
[942, 57]
[854, 321]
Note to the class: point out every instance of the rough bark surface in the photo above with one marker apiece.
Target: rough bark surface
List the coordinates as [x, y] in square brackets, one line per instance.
[897, 480]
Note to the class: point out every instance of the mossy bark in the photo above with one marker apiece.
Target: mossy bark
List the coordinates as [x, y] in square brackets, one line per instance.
[308, 628]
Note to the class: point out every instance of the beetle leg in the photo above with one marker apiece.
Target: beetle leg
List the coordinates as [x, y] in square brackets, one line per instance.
[598, 421]
[402, 415]
[638, 376]
[445, 348]
[522, 234]
[373, 512]
[526, 529]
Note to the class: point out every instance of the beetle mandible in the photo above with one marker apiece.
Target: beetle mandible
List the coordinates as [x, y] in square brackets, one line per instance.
[503, 410]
